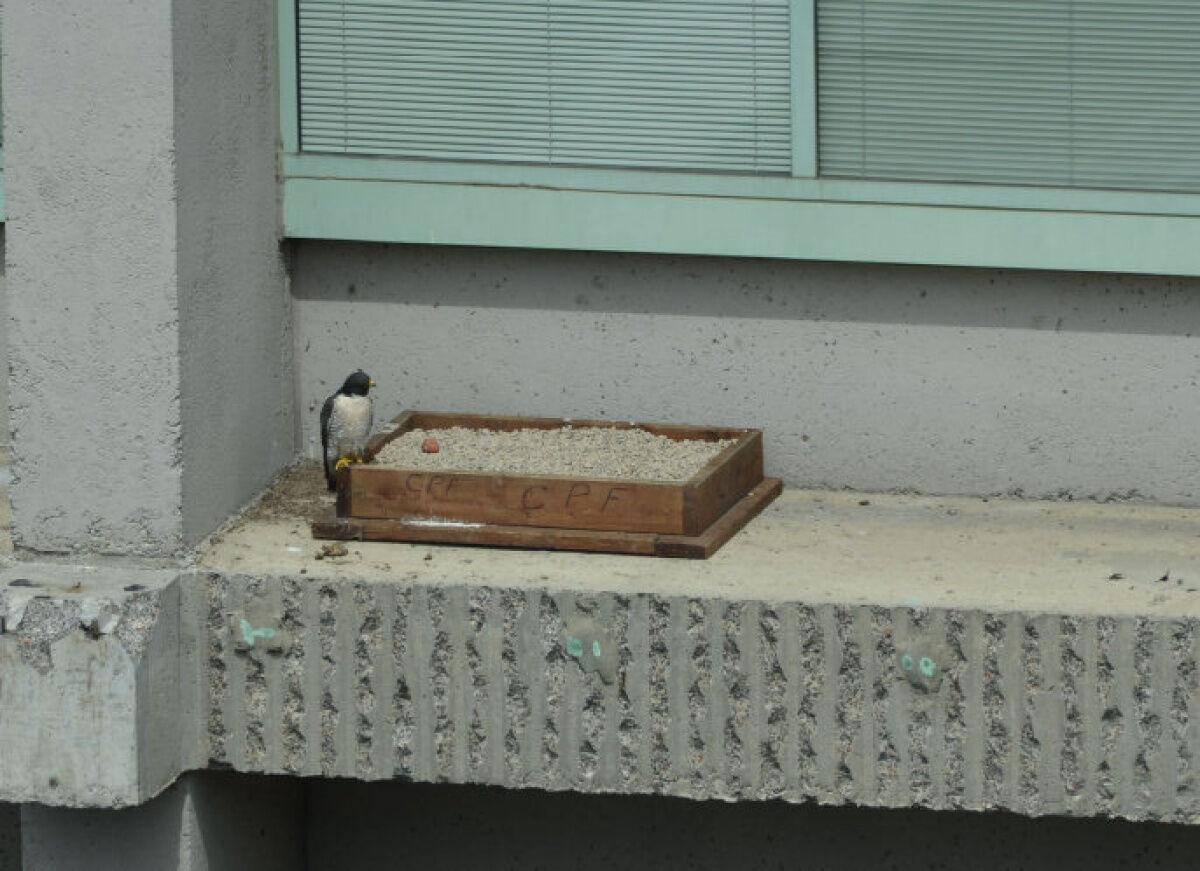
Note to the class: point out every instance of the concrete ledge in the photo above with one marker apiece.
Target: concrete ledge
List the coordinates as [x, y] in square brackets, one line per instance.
[94, 703]
[884, 651]
[944, 653]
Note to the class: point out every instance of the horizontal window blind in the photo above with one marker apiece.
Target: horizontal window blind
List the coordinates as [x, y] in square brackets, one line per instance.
[1088, 93]
[675, 84]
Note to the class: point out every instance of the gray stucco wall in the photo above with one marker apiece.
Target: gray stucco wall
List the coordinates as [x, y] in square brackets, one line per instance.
[235, 347]
[151, 389]
[5, 437]
[92, 289]
[940, 380]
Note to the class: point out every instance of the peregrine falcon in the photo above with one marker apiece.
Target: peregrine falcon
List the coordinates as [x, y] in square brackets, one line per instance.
[346, 419]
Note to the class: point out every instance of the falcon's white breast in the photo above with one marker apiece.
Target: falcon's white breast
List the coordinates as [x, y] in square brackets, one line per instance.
[351, 419]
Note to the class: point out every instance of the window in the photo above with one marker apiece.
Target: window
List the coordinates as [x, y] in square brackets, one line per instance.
[1059, 134]
[667, 84]
[1068, 93]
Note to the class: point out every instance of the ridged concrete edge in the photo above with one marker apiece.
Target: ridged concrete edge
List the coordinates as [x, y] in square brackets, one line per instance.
[714, 698]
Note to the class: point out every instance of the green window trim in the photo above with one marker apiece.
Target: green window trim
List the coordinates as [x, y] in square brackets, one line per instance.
[804, 88]
[802, 217]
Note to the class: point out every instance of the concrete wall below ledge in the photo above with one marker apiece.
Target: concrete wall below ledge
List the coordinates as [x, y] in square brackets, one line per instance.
[224, 822]
[938, 380]
[445, 828]
[10, 837]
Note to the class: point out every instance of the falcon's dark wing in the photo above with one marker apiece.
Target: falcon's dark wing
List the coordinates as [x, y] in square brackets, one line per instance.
[326, 413]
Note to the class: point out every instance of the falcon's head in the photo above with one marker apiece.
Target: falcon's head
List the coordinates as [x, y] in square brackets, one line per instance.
[358, 384]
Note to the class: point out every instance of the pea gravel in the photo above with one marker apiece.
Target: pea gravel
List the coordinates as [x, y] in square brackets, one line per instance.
[586, 452]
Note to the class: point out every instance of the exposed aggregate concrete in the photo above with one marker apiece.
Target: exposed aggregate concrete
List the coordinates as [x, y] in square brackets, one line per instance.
[731, 699]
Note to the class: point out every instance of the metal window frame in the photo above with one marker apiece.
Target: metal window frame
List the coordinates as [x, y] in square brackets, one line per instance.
[804, 216]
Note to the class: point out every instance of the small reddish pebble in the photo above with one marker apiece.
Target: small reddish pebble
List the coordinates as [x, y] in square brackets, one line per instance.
[430, 446]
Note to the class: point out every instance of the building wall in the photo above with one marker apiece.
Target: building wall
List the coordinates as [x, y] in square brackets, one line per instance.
[5, 436]
[151, 389]
[236, 388]
[873, 377]
[91, 279]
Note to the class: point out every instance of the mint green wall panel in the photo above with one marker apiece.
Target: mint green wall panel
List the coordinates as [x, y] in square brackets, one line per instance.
[1074, 93]
[673, 84]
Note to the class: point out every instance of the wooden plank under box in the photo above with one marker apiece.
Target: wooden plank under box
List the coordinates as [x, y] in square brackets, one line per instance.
[689, 518]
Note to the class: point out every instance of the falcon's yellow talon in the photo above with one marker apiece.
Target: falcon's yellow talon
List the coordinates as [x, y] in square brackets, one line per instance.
[342, 463]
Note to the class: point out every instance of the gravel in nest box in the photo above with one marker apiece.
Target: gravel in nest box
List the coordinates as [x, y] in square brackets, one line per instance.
[588, 452]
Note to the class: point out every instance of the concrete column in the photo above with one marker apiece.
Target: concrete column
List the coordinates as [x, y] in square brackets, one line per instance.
[148, 309]
[206, 822]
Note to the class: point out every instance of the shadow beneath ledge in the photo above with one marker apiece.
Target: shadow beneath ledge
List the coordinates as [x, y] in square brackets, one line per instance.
[354, 824]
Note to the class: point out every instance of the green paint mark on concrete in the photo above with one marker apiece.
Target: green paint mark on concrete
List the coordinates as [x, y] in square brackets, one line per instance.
[906, 662]
[249, 633]
[575, 647]
[928, 666]
[596, 649]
